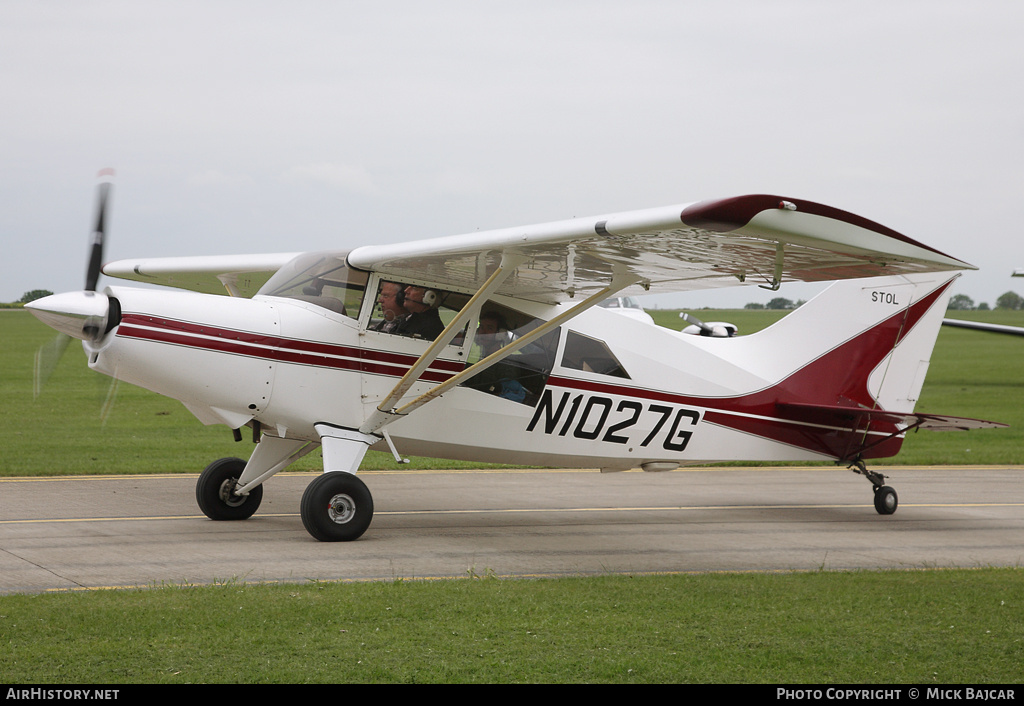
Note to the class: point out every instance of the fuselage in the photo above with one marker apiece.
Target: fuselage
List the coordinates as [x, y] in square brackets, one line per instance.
[615, 393]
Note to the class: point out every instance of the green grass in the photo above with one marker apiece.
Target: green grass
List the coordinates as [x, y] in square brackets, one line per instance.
[916, 627]
[973, 374]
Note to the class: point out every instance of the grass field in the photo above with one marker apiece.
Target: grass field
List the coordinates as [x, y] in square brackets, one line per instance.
[908, 627]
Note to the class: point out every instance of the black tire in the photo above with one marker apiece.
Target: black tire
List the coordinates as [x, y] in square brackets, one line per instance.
[214, 491]
[886, 500]
[336, 507]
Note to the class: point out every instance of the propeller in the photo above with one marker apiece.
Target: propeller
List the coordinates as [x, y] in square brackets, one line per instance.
[87, 315]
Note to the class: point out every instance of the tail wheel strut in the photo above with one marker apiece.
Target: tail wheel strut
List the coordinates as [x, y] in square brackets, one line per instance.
[886, 500]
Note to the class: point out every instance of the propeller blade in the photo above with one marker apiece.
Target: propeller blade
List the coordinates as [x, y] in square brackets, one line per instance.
[47, 357]
[92, 272]
[108, 403]
[694, 321]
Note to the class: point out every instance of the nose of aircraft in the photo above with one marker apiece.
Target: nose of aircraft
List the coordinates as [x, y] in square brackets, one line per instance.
[83, 315]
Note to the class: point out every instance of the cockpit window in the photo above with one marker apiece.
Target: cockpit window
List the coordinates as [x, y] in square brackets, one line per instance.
[416, 312]
[322, 279]
[590, 355]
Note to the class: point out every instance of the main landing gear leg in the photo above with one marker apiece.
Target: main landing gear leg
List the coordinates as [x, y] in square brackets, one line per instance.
[886, 499]
[231, 489]
[337, 506]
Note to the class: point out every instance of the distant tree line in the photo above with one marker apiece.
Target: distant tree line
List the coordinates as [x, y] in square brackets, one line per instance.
[26, 298]
[33, 295]
[958, 302]
[1009, 300]
[776, 303]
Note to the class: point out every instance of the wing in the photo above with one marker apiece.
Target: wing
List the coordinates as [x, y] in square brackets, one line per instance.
[237, 275]
[755, 239]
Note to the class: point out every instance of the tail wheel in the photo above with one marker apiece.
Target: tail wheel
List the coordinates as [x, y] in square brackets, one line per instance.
[886, 500]
[215, 491]
[337, 507]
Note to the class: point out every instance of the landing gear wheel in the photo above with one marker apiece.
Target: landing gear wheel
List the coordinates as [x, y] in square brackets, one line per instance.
[215, 491]
[336, 507]
[885, 500]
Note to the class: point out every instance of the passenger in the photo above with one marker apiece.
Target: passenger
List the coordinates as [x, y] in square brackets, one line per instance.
[500, 378]
[423, 321]
[492, 333]
[391, 300]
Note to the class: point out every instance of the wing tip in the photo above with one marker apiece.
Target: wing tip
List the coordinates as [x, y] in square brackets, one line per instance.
[730, 214]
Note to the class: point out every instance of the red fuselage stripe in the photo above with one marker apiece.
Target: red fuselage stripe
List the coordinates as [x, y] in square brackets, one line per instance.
[182, 333]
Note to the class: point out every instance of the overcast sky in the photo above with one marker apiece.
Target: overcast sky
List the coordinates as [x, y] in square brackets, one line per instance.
[239, 127]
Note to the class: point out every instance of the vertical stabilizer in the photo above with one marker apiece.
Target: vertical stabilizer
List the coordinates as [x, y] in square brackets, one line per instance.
[856, 359]
[860, 343]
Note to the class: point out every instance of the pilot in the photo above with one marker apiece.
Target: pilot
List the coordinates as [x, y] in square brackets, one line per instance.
[423, 321]
[391, 300]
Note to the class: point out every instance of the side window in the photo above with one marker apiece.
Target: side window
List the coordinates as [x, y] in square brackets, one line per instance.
[415, 312]
[521, 376]
[590, 355]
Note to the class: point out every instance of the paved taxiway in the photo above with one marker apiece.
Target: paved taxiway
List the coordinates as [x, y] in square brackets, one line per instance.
[120, 531]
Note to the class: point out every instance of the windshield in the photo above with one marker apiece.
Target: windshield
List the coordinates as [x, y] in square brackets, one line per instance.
[320, 278]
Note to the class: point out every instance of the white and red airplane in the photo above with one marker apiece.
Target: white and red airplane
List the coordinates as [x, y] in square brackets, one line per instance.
[490, 347]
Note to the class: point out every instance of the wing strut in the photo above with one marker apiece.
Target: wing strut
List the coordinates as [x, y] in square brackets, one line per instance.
[385, 409]
[619, 282]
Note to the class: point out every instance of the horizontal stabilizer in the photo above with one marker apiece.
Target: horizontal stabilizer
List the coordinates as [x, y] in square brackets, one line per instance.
[854, 417]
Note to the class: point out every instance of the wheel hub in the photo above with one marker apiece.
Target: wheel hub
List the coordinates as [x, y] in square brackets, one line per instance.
[227, 493]
[341, 509]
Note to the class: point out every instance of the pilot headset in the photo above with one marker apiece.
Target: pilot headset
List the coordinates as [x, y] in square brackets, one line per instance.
[430, 298]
